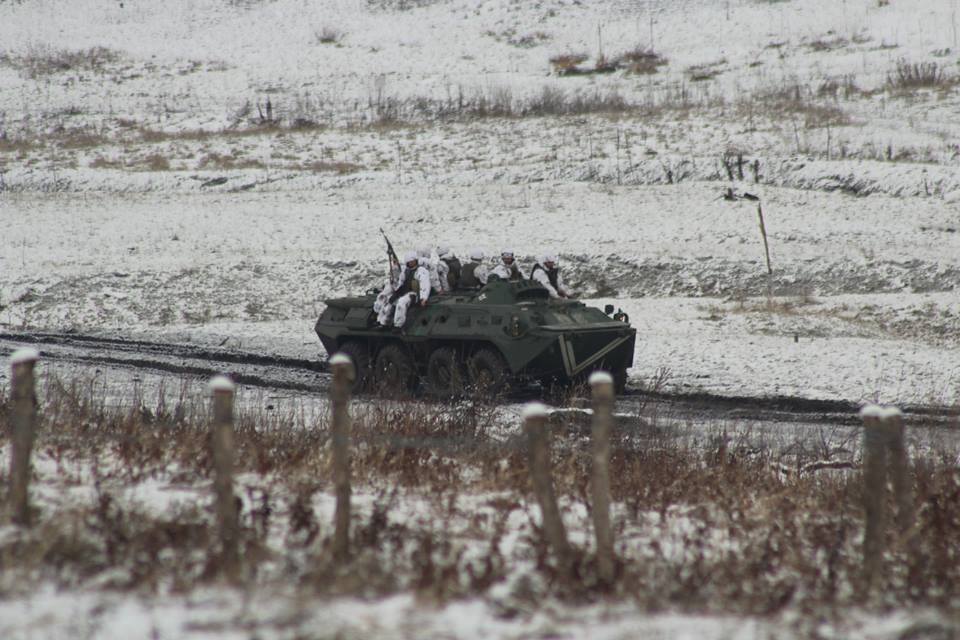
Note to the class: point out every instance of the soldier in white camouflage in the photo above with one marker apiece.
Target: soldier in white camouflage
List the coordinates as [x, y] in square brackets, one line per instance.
[547, 274]
[507, 269]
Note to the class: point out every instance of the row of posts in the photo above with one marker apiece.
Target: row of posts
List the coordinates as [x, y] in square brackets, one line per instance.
[885, 461]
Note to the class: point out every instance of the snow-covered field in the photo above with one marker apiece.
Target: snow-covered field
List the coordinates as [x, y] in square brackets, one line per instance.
[194, 170]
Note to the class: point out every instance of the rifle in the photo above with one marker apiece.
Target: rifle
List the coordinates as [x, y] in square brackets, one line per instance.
[391, 256]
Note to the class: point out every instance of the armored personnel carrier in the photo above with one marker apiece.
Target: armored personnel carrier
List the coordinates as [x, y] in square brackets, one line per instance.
[479, 341]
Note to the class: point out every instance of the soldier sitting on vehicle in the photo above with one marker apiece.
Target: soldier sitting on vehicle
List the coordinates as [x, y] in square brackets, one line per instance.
[547, 273]
[473, 275]
[425, 254]
[449, 269]
[412, 284]
[507, 269]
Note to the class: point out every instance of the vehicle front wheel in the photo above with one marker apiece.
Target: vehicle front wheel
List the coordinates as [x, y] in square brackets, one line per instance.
[488, 372]
[394, 371]
[359, 355]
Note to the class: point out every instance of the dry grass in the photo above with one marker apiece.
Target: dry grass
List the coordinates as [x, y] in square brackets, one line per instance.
[908, 75]
[320, 166]
[103, 163]
[45, 60]
[214, 160]
[17, 145]
[792, 102]
[722, 525]
[155, 162]
[80, 139]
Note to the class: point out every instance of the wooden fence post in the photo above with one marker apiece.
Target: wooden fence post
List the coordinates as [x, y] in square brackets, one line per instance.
[884, 457]
[223, 459]
[343, 375]
[874, 491]
[900, 471]
[24, 420]
[535, 425]
[601, 384]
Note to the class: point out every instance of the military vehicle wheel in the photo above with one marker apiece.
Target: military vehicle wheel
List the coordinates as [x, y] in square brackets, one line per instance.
[394, 372]
[360, 356]
[445, 378]
[488, 372]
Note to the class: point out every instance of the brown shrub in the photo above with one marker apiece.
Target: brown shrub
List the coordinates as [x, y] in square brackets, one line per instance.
[214, 160]
[642, 60]
[568, 63]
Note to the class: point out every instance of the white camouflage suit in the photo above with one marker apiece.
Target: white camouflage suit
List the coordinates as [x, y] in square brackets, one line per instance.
[399, 308]
[505, 271]
[422, 275]
[480, 270]
[543, 278]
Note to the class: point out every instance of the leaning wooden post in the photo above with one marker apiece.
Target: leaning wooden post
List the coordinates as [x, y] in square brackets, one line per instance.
[223, 458]
[343, 376]
[24, 420]
[601, 383]
[535, 425]
[899, 469]
[874, 490]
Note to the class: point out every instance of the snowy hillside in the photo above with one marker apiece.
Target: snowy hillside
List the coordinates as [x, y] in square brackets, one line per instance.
[210, 170]
[190, 164]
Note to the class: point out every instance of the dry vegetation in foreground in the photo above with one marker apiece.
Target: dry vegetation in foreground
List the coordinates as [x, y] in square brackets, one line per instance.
[702, 525]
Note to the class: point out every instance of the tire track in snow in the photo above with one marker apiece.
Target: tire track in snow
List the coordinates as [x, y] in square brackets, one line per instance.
[298, 374]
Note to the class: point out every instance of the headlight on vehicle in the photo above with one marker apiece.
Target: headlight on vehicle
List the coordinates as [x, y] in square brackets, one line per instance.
[515, 328]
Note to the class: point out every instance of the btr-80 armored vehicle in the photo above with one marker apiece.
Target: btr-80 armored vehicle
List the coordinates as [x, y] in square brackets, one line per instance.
[481, 341]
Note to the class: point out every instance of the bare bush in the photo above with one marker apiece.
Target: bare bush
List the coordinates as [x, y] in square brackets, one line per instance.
[637, 60]
[916, 75]
[642, 60]
[568, 63]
